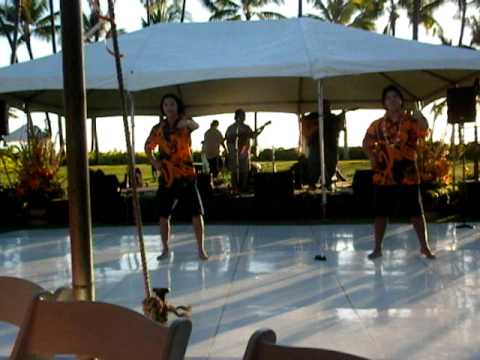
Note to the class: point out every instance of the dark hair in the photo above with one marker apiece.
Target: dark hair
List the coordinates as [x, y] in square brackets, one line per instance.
[238, 112]
[214, 123]
[180, 105]
[391, 88]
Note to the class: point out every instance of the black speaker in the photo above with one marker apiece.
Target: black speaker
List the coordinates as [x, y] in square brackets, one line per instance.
[363, 183]
[3, 118]
[461, 105]
[470, 196]
[274, 185]
[204, 185]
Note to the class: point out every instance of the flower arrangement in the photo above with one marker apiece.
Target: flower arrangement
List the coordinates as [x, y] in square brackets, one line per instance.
[433, 163]
[35, 165]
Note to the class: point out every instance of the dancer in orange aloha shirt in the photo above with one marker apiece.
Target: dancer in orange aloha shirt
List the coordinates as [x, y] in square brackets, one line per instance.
[177, 180]
[391, 145]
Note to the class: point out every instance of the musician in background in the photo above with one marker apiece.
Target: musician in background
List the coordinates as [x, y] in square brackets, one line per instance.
[238, 138]
[332, 126]
[212, 141]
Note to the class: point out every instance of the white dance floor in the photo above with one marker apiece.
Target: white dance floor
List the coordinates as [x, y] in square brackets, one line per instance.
[401, 306]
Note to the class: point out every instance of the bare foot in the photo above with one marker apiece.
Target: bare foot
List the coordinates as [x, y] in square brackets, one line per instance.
[165, 253]
[202, 254]
[428, 253]
[375, 254]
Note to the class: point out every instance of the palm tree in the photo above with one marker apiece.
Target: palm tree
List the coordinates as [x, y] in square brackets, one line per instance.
[9, 21]
[241, 9]
[390, 28]
[462, 7]
[92, 28]
[359, 13]
[420, 12]
[53, 30]
[475, 26]
[147, 7]
[34, 21]
[165, 11]
[183, 10]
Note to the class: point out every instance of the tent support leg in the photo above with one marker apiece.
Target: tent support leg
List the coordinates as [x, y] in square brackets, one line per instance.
[321, 119]
[77, 160]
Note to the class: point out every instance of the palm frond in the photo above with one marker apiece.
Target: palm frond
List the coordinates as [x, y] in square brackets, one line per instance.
[268, 15]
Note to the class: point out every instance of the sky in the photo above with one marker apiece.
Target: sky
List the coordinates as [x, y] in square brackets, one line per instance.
[283, 132]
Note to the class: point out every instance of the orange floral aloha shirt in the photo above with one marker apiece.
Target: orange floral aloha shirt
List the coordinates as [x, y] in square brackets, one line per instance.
[393, 147]
[175, 151]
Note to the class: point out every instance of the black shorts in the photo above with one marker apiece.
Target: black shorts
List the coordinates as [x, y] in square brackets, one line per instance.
[183, 191]
[398, 200]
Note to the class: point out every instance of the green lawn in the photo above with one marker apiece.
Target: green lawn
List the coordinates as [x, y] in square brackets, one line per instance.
[348, 168]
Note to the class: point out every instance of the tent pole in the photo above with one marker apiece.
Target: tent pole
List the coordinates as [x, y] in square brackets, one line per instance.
[131, 102]
[321, 119]
[77, 161]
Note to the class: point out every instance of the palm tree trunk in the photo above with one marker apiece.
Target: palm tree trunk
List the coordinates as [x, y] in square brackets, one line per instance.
[6, 34]
[183, 10]
[28, 42]
[463, 10]
[95, 10]
[60, 136]
[30, 129]
[416, 18]
[18, 14]
[52, 27]
[49, 124]
[393, 17]
[148, 12]
[54, 49]
[94, 144]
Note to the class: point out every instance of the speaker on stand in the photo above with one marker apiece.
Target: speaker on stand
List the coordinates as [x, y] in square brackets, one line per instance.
[461, 103]
[3, 121]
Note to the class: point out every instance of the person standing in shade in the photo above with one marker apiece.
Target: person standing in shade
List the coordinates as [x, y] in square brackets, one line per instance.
[212, 141]
[391, 145]
[177, 180]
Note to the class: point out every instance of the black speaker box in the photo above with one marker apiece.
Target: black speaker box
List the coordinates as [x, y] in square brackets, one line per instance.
[363, 183]
[470, 196]
[461, 105]
[274, 185]
[204, 184]
[363, 191]
[3, 118]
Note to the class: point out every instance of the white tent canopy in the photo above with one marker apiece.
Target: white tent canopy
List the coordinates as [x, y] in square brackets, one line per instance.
[261, 66]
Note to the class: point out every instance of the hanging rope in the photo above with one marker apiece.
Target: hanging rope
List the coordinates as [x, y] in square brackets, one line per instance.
[131, 155]
[155, 305]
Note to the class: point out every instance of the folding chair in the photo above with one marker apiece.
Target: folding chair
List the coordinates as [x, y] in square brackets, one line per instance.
[16, 296]
[262, 346]
[96, 329]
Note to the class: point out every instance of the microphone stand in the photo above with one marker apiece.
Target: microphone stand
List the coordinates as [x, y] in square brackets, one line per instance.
[237, 156]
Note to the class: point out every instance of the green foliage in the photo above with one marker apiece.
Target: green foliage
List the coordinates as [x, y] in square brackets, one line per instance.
[357, 13]
[120, 171]
[241, 9]
[281, 154]
[115, 158]
[165, 11]
[32, 169]
[34, 21]
[354, 153]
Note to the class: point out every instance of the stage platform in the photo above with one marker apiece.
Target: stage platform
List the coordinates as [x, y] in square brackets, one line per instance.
[401, 306]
